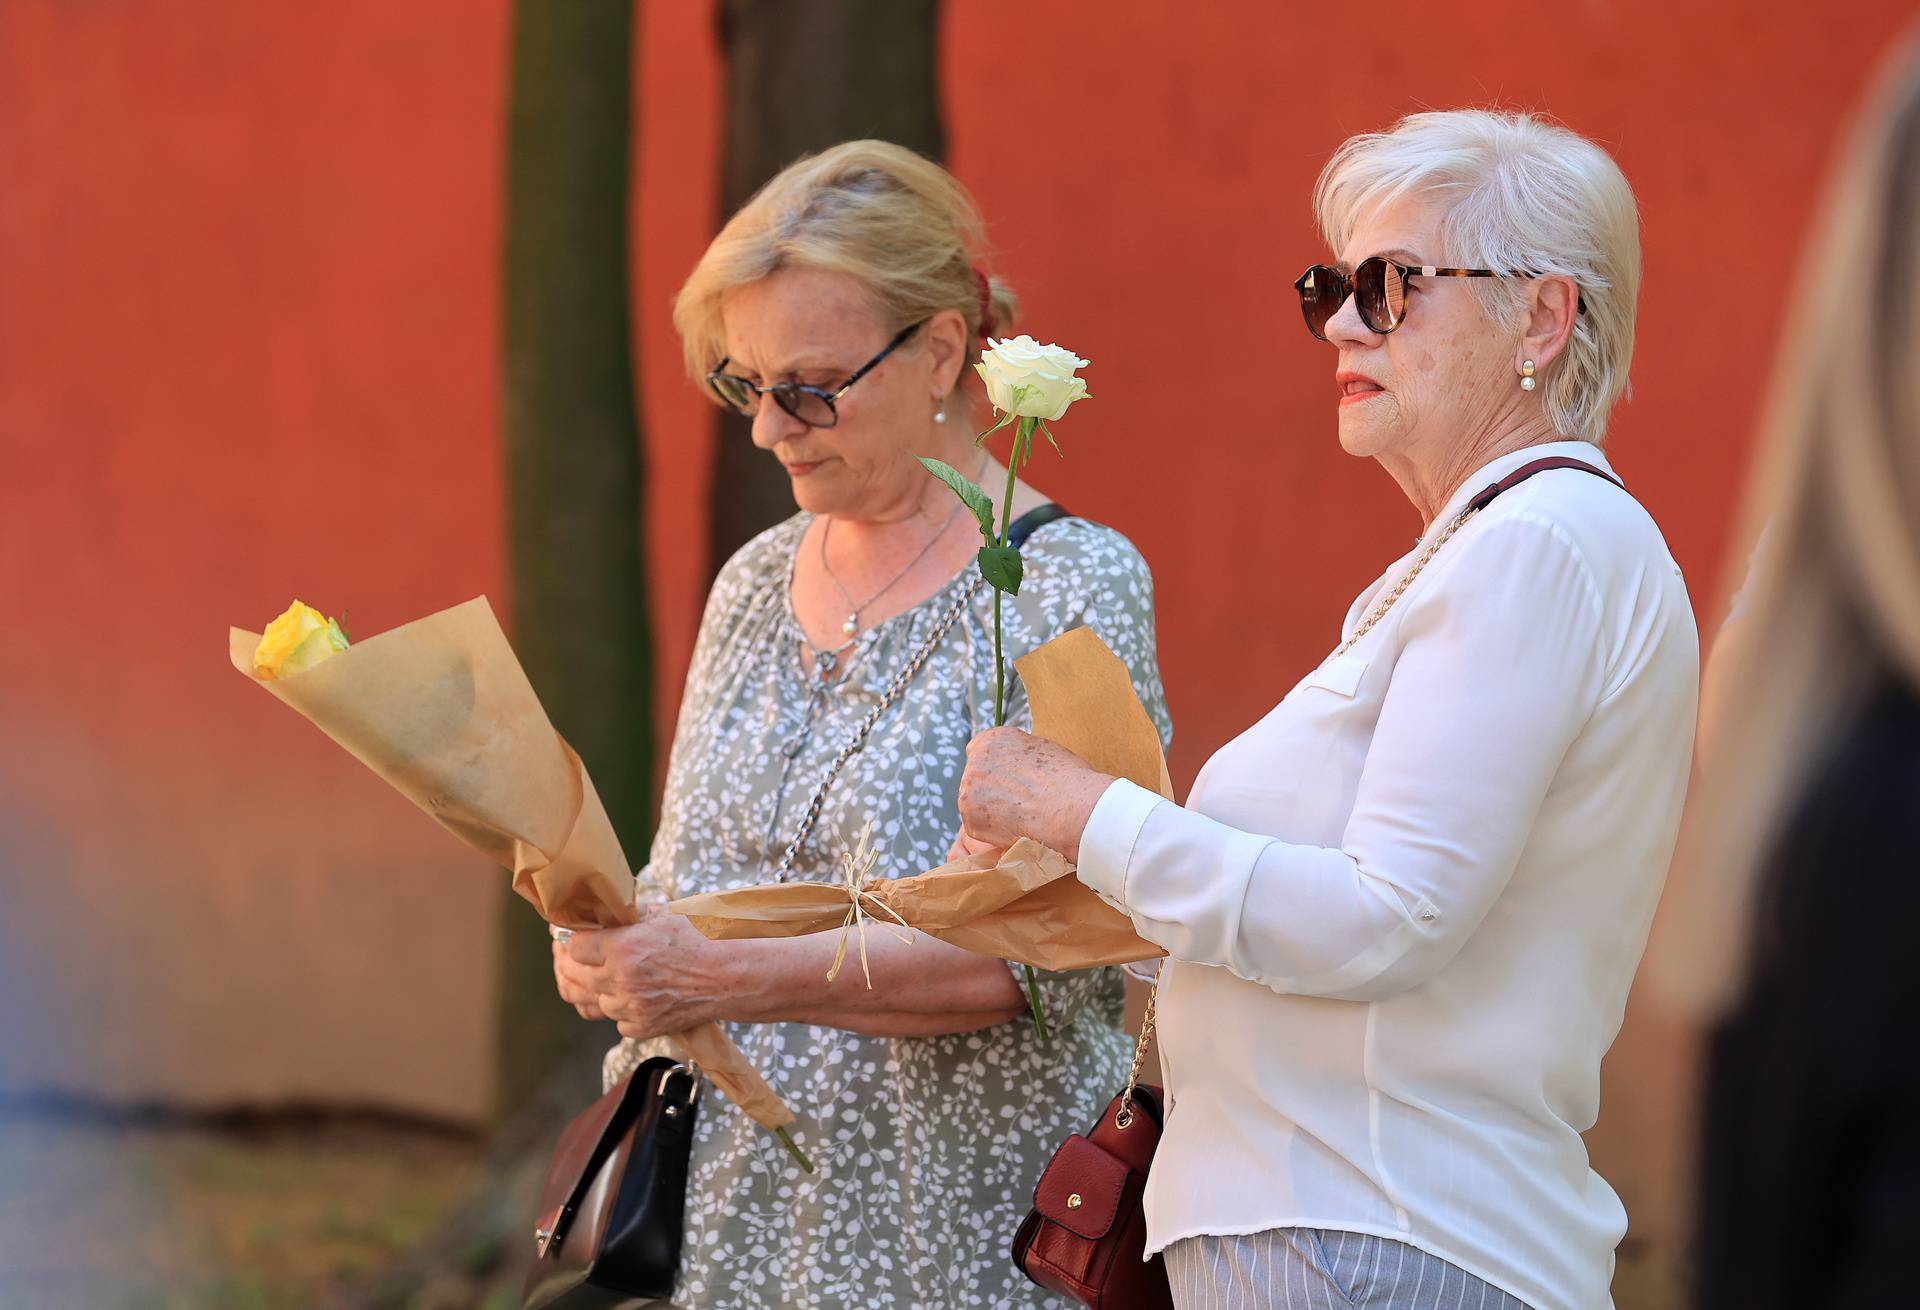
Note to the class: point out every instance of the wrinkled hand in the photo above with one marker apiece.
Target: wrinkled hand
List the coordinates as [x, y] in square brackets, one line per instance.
[1017, 785]
[571, 981]
[964, 846]
[653, 977]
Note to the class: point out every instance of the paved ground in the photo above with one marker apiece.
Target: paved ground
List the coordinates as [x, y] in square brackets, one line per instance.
[101, 1217]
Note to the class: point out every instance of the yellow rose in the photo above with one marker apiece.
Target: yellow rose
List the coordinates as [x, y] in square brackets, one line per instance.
[298, 639]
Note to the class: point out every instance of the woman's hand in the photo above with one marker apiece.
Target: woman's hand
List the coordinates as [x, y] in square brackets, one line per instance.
[571, 980]
[964, 846]
[654, 977]
[661, 976]
[1017, 785]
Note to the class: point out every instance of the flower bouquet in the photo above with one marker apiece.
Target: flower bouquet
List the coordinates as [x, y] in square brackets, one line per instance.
[1021, 904]
[442, 710]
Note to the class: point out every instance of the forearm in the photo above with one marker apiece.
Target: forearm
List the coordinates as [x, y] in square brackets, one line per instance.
[1352, 924]
[922, 987]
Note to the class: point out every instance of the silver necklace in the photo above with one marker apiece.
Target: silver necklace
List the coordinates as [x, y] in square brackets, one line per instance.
[893, 692]
[852, 623]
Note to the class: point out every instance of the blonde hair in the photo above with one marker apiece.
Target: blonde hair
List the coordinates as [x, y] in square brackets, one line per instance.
[1523, 196]
[1832, 608]
[894, 221]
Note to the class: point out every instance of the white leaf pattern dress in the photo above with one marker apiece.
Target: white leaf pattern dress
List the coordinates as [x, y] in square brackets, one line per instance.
[927, 1148]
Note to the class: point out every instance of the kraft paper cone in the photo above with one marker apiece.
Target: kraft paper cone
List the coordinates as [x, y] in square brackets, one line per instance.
[1021, 904]
[442, 710]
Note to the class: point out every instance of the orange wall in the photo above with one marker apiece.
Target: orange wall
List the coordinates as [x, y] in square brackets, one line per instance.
[246, 351]
[248, 316]
[248, 327]
[1157, 211]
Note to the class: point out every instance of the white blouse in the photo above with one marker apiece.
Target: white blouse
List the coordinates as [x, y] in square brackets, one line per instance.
[1404, 908]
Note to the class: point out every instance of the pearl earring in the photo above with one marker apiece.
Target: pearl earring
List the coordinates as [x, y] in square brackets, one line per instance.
[1526, 376]
[940, 415]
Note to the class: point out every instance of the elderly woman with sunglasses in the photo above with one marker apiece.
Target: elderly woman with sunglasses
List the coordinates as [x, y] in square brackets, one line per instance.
[839, 309]
[1402, 910]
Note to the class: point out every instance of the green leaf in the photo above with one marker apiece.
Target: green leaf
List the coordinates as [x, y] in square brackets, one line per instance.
[970, 495]
[1000, 566]
[981, 440]
[1048, 433]
[337, 634]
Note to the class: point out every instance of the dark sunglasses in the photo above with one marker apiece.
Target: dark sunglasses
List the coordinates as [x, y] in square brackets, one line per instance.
[1378, 286]
[1379, 290]
[813, 406]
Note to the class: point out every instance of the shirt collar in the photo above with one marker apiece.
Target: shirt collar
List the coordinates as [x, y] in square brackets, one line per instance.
[1492, 471]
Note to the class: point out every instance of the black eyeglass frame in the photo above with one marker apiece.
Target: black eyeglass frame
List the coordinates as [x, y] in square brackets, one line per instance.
[1347, 285]
[786, 394]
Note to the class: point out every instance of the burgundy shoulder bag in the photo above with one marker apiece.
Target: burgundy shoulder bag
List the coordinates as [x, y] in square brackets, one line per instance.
[1087, 1231]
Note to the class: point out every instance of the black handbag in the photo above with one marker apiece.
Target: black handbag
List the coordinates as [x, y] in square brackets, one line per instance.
[615, 1199]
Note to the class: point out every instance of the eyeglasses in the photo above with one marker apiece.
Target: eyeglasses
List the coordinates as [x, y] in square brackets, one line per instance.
[1378, 286]
[813, 406]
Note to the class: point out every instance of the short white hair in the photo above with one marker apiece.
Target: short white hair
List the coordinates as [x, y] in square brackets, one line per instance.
[1522, 195]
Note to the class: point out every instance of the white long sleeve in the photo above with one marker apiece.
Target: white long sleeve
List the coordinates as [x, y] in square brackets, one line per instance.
[1403, 909]
[1473, 723]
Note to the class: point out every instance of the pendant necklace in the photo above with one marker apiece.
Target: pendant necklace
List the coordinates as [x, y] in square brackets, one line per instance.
[852, 623]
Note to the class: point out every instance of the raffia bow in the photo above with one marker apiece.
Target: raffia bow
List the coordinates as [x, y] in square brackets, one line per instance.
[855, 865]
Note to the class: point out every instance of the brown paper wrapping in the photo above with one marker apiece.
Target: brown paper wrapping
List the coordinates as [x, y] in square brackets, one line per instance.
[441, 709]
[1020, 904]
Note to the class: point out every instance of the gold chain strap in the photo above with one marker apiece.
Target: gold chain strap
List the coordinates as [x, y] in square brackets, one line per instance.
[1124, 1117]
[1386, 602]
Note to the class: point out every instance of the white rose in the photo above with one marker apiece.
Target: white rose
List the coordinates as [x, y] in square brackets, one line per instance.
[1029, 380]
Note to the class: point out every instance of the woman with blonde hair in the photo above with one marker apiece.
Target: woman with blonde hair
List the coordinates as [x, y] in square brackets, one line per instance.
[844, 660]
[1800, 872]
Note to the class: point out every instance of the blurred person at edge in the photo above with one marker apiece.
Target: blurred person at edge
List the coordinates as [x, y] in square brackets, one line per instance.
[1799, 871]
[840, 308]
[1403, 909]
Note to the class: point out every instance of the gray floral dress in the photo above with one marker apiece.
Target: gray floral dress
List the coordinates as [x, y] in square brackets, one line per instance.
[927, 1149]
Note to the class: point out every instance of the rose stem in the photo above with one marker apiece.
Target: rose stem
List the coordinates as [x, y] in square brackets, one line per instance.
[1023, 436]
[1033, 1001]
[786, 1140]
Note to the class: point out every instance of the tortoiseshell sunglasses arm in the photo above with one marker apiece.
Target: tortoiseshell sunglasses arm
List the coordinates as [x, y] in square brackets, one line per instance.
[1428, 270]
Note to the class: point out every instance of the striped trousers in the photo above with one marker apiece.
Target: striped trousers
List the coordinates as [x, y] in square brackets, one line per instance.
[1321, 1269]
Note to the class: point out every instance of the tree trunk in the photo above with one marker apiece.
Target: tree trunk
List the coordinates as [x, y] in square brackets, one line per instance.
[802, 77]
[580, 620]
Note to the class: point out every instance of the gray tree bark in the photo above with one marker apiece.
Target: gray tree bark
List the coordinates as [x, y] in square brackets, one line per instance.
[803, 75]
[574, 479]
